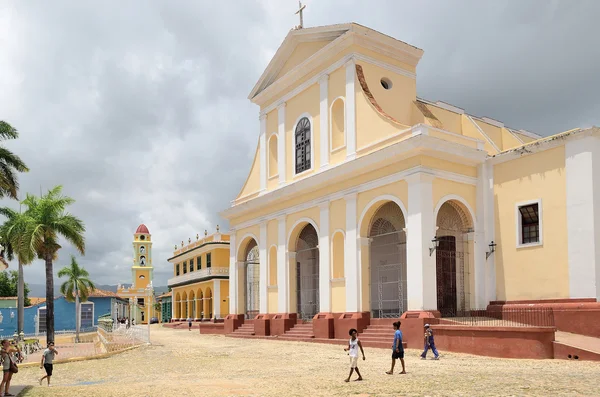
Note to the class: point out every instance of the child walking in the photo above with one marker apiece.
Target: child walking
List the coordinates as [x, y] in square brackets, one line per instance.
[397, 349]
[47, 360]
[429, 344]
[352, 350]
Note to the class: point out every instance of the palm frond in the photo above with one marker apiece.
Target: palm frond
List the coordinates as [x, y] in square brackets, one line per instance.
[12, 160]
[7, 131]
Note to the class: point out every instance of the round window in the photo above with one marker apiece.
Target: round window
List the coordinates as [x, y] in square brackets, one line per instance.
[386, 83]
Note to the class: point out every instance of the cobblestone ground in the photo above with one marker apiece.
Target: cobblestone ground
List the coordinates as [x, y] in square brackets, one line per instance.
[186, 363]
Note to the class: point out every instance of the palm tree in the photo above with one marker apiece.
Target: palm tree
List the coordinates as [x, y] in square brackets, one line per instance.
[9, 163]
[78, 286]
[13, 237]
[46, 221]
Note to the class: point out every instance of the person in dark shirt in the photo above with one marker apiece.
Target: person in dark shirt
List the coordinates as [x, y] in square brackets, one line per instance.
[429, 344]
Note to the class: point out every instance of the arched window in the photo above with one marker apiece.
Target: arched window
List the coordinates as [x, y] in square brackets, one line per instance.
[272, 156]
[303, 155]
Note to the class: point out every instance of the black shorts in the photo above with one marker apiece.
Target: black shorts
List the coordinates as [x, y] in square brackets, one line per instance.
[396, 355]
[48, 368]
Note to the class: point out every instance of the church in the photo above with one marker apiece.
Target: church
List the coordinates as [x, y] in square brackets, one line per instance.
[367, 202]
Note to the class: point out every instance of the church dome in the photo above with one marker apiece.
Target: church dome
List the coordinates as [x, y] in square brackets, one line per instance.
[142, 229]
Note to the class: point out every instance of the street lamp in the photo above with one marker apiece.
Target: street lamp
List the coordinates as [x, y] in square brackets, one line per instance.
[435, 243]
[491, 251]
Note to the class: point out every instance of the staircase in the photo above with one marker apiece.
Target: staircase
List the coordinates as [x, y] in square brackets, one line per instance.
[245, 330]
[299, 332]
[378, 336]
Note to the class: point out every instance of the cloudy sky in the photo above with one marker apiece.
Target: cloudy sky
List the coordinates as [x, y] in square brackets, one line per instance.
[139, 107]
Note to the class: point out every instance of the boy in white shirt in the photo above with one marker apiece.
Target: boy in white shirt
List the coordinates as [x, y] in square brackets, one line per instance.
[352, 348]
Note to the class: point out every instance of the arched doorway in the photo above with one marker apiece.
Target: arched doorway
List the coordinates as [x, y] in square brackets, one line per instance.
[388, 262]
[307, 273]
[252, 266]
[199, 306]
[452, 271]
[208, 304]
[193, 305]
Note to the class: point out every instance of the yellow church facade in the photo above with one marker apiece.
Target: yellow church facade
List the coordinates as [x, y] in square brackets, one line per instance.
[365, 201]
[200, 282]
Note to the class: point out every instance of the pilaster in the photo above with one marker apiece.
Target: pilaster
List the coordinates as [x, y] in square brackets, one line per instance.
[281, 160]
[262, 260]
[216, 299]
[490, 230]
[351, 270]
[324, 119]
[263, 152]
[350, 110]
[480, 243]
[233, 285]
[421, 275]
[282, 268]
[324, 257]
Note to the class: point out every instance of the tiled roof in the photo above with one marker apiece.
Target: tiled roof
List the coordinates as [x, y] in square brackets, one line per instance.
[100, 293]
[35, 301]
[166, 294]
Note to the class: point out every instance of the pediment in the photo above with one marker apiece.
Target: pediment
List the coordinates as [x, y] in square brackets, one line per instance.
[298, 45]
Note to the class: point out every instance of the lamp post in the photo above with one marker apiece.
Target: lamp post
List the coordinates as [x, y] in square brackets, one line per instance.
[491, 251]
[435, 243]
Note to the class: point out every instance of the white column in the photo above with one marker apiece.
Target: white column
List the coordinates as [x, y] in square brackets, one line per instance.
[263, 152]
[216, 299]
[262, 261]
[421, 277]
[350, 110]
[351, 270]
[282, 268]
[481, 246]
[324, 256]
[363, 245]
[490, 231]
[281, 143]
[172, 305]
[583, 216]
[233, 276]
[324, 119]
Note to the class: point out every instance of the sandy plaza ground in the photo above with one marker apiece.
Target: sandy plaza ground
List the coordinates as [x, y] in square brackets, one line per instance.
[186, 363]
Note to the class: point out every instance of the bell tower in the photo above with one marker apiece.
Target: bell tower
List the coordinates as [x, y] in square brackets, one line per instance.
[142, 270]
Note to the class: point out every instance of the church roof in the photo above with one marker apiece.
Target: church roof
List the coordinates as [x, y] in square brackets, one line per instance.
[142, 229]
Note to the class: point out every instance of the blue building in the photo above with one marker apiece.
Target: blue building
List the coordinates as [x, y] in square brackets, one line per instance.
[99, 303]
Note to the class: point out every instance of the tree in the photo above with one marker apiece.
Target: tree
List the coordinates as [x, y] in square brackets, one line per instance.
[47, 220]
[9, 284]
[13, 237]
[9, 163]
[77, 287]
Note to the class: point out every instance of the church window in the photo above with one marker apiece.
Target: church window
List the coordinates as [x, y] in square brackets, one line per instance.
[142, 261]
[199, 263]
[177, 270]
[184, 267]
[192, 265]
[272, 165]
[142, 249]
[208, 260]
[140, 302]
[386, 83]
[529, 220]
[338, 138]
[142, 277]
[303, 152]
[142, 238]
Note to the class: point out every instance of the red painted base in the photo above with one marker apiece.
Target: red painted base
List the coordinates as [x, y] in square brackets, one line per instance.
[344, 322]
[233, 322]
[280, 323]
[323, 326]
[262, 324]
[412, 324]
[566, 352]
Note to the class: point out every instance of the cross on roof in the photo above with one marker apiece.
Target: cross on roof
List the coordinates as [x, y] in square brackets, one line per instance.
[301, 8]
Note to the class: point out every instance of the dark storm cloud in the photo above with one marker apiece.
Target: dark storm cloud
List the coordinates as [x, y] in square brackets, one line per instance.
[139, 108]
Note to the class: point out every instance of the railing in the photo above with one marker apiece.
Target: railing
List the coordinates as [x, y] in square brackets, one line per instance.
[199, 274]
[522, 317]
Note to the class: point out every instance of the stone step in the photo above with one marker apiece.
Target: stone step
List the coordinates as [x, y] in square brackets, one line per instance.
[377, 332]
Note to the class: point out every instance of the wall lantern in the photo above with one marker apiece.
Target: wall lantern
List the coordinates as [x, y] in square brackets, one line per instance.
[491, 251]
[435, 243]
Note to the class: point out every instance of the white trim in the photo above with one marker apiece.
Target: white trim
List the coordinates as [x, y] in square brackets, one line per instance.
[233, 274]
[93, 311]
[324, 259]
[216, 296]
[324, 119]
[299, 221]
[312, 144]
[331, 148]
[514, 135]
[386, 180]
[384, 197]
[518, 223]
[352, 262]
[263, 266]
[490, 141]
[493, 122]
[529, 134]
[269, 176]
[237, 250]
[263, 152]
[282, 268]
[350, 110]
[461, 200]
[281, 156]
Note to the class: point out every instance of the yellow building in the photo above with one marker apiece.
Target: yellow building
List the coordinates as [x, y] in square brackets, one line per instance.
[140, 293]
[200, 282]
[367, 201]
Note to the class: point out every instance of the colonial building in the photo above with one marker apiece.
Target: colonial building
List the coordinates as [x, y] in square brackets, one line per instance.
[200, 282]
[365, 201]
[140, 293]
